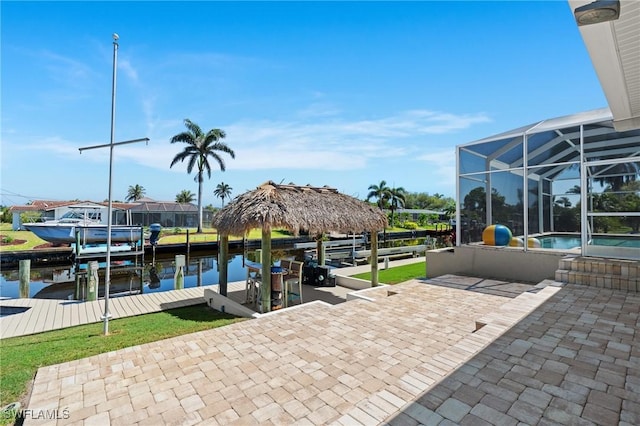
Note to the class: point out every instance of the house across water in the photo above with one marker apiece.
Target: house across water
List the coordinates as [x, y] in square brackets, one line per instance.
[142, 212]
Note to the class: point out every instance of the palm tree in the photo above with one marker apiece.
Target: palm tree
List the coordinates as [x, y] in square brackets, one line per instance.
[617, 175]
[563, 202]
[575, 189]
[185, 196]
[201, 146]
[381, 192]
[449, 210]
[223, 191]
[134, 193]
[396, 200]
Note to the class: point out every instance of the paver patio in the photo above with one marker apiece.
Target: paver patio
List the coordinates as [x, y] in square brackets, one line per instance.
[408, 355]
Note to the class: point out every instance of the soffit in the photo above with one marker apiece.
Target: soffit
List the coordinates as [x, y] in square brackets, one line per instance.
[614, 48]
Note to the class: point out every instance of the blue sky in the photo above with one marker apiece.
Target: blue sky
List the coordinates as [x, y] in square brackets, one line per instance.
[343, 94]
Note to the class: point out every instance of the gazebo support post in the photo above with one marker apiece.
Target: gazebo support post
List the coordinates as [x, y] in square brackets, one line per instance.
[266, 270]
[374, 258]
[320, 250]
[223, 266]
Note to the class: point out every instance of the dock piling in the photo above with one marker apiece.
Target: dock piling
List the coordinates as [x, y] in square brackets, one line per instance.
[92, 280]
[178, 277]
[24, 272]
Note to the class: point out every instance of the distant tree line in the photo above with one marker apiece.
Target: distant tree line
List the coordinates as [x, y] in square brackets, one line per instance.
[394, 198]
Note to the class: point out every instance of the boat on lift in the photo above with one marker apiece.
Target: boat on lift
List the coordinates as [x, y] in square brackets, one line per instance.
[85, 226]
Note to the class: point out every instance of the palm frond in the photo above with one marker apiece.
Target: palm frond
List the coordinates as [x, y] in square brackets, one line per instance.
[184, 137]
[193, 128]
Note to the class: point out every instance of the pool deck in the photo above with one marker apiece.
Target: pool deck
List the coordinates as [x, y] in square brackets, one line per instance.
[443, 351]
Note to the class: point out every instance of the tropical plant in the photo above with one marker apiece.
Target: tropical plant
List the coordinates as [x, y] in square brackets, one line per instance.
[575, 189]
[422, 200]
[404, 217]
[630, 202]
[223, 191]
[134, 193]
[617, 175]
[5, 215]
[396, 200]
[30, 217]
[201, 146]
[379, 192]
[423, 219]
[567, 220]
[450, 210]
[185, 196]
[410, 225]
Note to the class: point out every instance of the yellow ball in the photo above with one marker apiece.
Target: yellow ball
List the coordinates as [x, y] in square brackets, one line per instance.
[533, 243]
[516, 242]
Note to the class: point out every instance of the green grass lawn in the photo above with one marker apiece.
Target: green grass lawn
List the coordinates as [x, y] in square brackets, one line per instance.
[169, 236]
[397, 274]
[22, 356]
[210, 235]
[29, 238]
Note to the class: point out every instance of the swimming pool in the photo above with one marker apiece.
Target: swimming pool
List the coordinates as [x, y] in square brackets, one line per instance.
[571, 241]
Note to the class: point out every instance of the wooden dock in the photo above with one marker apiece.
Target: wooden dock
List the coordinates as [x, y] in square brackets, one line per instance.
[29, 316]
[20, 317]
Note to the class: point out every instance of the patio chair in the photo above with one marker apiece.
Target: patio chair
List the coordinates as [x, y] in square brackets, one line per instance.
[292, 280]
[252, 286]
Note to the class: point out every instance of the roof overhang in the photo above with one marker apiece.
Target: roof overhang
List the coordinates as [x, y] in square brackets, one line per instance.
[614, 48]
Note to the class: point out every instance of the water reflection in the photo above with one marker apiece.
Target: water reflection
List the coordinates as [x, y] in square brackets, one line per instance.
[154, 279]
[155, 275]
[126, 278]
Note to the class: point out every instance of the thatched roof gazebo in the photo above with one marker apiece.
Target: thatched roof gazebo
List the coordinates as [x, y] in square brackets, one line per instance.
[316, 210]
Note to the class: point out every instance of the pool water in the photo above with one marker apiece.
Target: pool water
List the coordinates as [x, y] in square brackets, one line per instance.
[565, 242]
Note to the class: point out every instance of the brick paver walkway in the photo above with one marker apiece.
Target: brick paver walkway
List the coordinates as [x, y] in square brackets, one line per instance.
[574, 361]
[410, 355]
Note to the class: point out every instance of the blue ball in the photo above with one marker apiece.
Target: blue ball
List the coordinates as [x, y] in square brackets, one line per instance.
[496, 235]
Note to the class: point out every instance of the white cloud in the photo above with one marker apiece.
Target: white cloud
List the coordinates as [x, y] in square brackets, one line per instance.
[443, 164]
[319, 109]
[331, 144]
[54, 144]
[65, 69]
[128, 69]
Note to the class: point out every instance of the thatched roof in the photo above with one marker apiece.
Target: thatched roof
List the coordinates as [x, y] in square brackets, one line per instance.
[314, 209]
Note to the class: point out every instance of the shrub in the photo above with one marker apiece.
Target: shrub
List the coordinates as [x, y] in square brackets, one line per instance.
[410, 225]
[7, 239]
[30, 217]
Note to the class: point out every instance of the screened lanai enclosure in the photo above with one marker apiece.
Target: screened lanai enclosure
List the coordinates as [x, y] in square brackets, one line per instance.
[570, 183]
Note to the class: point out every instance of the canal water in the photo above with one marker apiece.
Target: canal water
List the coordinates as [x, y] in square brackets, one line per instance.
[126, 278]
[154, 275]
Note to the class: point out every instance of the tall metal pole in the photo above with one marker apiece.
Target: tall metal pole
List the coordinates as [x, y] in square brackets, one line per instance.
[107, 280]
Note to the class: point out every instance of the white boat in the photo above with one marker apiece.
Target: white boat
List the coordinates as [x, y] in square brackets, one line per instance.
[65, 233]
[75, 224]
